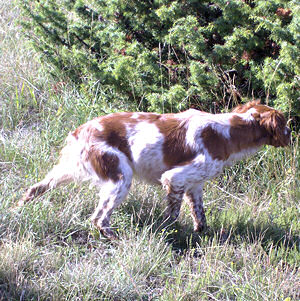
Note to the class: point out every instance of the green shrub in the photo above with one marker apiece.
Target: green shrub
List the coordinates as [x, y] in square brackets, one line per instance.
[167, 55]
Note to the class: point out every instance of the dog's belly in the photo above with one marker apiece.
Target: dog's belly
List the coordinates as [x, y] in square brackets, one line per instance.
[149, 171]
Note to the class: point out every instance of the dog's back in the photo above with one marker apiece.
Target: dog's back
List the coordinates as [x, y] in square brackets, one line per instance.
[180, 151]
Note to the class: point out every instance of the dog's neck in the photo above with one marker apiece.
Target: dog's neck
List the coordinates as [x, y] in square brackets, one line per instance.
[240, 137]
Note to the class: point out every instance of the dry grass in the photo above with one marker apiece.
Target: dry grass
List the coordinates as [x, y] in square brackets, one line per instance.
[50, 251]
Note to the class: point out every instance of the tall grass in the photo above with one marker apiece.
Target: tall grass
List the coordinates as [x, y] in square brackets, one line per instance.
[50, 251]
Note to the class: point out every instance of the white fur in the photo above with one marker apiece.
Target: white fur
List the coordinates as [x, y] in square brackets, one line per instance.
[145, 141]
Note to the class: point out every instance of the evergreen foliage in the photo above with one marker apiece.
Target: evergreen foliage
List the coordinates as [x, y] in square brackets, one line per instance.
[166, 55]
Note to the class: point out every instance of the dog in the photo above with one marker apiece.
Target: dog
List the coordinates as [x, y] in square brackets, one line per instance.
[178, 151]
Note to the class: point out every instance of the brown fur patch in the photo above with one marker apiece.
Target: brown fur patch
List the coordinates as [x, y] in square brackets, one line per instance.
[106, 165]
[245, 107]
[243, 135]
[150, 117]
[270, 120]
[175, 150]
[174, 147]
[246, 134]
[114, 131]
[216, 144]
[275, 123]
[35, 191]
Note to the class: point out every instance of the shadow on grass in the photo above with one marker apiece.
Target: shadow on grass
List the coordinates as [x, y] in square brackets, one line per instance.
[223, 230]
[268, 235]
[10, 291]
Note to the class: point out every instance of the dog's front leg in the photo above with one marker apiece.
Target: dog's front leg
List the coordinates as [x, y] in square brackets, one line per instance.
[194, 198]
[175, 190]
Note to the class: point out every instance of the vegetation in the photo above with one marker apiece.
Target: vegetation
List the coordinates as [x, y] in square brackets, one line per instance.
[166, 55]
[49, 249]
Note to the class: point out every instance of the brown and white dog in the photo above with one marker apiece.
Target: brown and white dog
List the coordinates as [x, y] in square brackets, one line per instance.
[180, 151]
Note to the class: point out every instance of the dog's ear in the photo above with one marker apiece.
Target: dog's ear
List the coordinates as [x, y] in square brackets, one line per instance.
[245, 107]
[274, 122]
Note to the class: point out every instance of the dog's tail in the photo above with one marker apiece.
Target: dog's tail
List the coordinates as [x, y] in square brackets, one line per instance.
[67, 170]
[54, 178]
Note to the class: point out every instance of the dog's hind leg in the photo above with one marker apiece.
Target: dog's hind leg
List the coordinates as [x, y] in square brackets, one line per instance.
[116, 176]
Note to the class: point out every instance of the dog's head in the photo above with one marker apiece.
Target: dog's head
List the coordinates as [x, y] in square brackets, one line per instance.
[269, 119]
